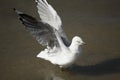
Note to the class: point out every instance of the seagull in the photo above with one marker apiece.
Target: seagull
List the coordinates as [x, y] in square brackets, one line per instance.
[48, 31]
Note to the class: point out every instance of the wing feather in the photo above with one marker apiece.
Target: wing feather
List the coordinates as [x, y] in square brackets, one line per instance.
[43, 32]
[48, 14]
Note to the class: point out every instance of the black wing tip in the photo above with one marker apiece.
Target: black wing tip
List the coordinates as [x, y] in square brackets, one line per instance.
[17, 11]
[14, 9]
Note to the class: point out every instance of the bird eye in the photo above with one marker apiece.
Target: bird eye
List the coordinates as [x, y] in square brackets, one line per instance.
[78, 41]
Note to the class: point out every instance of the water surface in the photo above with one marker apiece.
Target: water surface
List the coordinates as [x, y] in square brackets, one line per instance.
[96, 21]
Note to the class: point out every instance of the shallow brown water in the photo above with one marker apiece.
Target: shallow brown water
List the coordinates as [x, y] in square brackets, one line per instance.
[96, 21]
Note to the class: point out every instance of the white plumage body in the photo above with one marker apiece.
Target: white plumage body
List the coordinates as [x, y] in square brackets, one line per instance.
[63, 58]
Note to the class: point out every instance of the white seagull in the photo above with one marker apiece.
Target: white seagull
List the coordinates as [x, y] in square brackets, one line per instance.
[49, 33]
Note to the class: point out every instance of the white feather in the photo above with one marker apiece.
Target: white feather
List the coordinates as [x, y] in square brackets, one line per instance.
[48, 14]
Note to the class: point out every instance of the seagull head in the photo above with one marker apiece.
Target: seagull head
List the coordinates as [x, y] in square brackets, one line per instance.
[78, 40]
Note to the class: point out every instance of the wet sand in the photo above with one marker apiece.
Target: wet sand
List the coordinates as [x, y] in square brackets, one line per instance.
[96, 21]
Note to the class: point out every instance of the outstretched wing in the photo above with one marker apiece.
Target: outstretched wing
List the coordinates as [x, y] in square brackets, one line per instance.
[48, 15]
[42, 31]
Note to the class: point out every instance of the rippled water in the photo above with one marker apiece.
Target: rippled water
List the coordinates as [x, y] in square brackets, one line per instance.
[96, 21]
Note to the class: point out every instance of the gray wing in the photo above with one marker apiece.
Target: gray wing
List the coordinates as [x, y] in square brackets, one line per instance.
[42, 31]
[49, 15]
